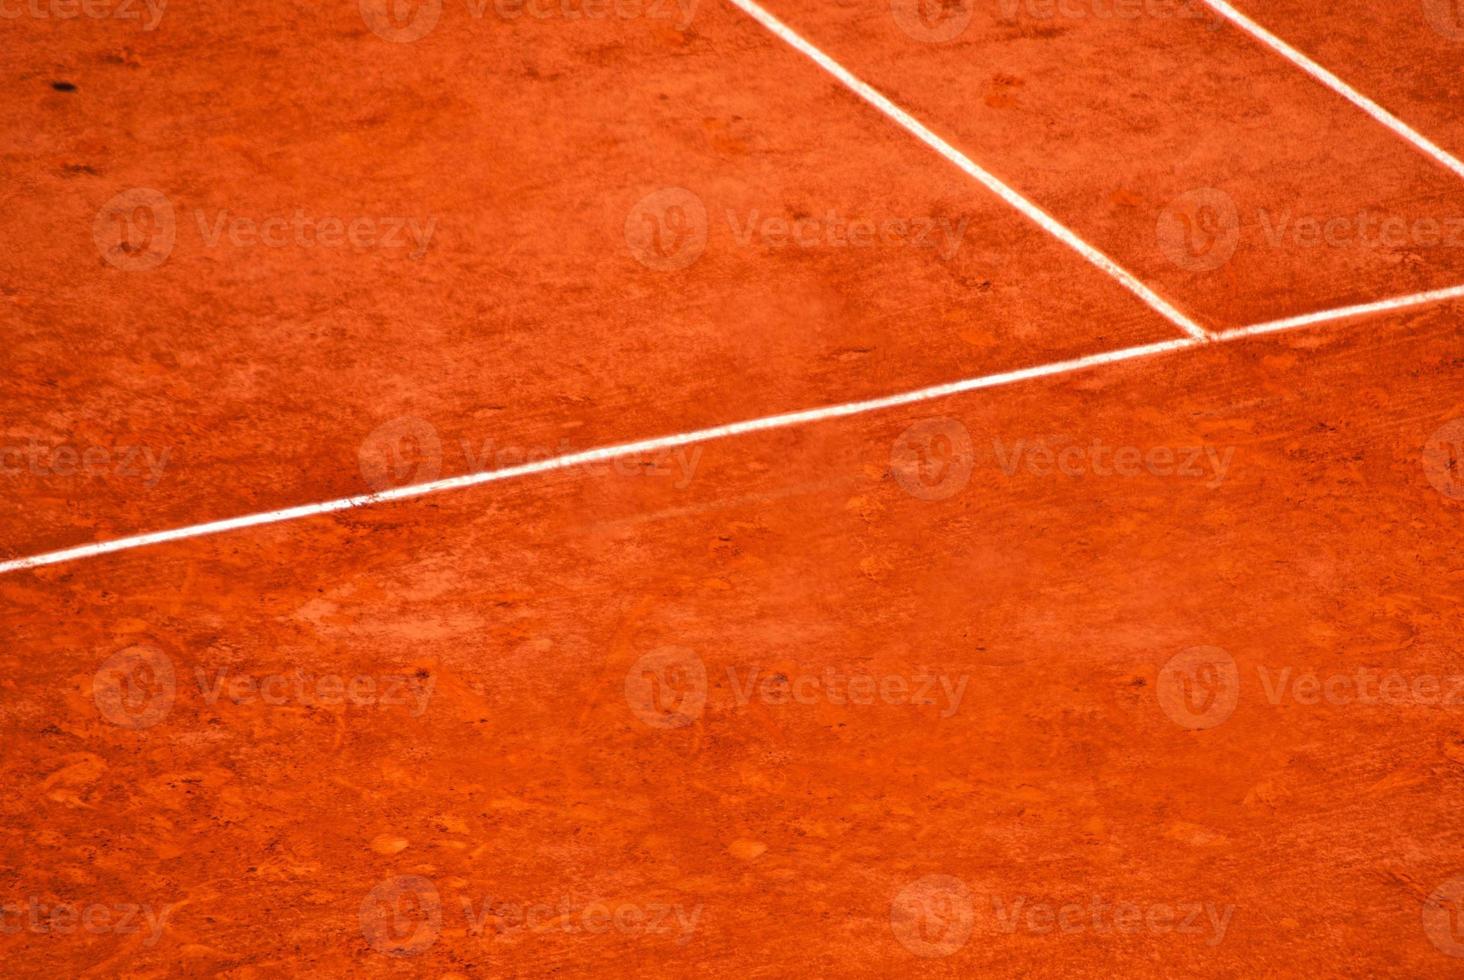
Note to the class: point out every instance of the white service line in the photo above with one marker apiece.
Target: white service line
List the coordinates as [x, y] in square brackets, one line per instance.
[606, 453]
[1344, 312]
[1398, 126]
[1045, 221]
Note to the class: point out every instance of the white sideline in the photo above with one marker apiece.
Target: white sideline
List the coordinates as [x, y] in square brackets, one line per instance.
[1344, 312]
[719, 432]
[1045, 221]
[1398, 126]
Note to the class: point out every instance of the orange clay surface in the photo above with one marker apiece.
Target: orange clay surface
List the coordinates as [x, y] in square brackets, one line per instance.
[1108, 121]
[528, 325]
[1418, 72]
[1093, 675]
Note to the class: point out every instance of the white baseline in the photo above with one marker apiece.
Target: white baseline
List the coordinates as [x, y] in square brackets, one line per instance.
[606, 453]
[763, 424]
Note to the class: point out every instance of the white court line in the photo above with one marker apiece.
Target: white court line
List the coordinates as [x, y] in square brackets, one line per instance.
[1398, 126]
[719, 432]
[1197, 336]
[1344, 312]
[1045, 221]
[606, 453]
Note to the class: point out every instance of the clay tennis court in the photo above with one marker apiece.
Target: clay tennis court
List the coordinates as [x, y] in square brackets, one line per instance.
[715, 488]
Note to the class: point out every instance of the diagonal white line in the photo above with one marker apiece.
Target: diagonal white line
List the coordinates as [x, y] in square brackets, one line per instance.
[1344, 312]
[1336, 84]
[763, 424]
[1045, 221]
[601, 455]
